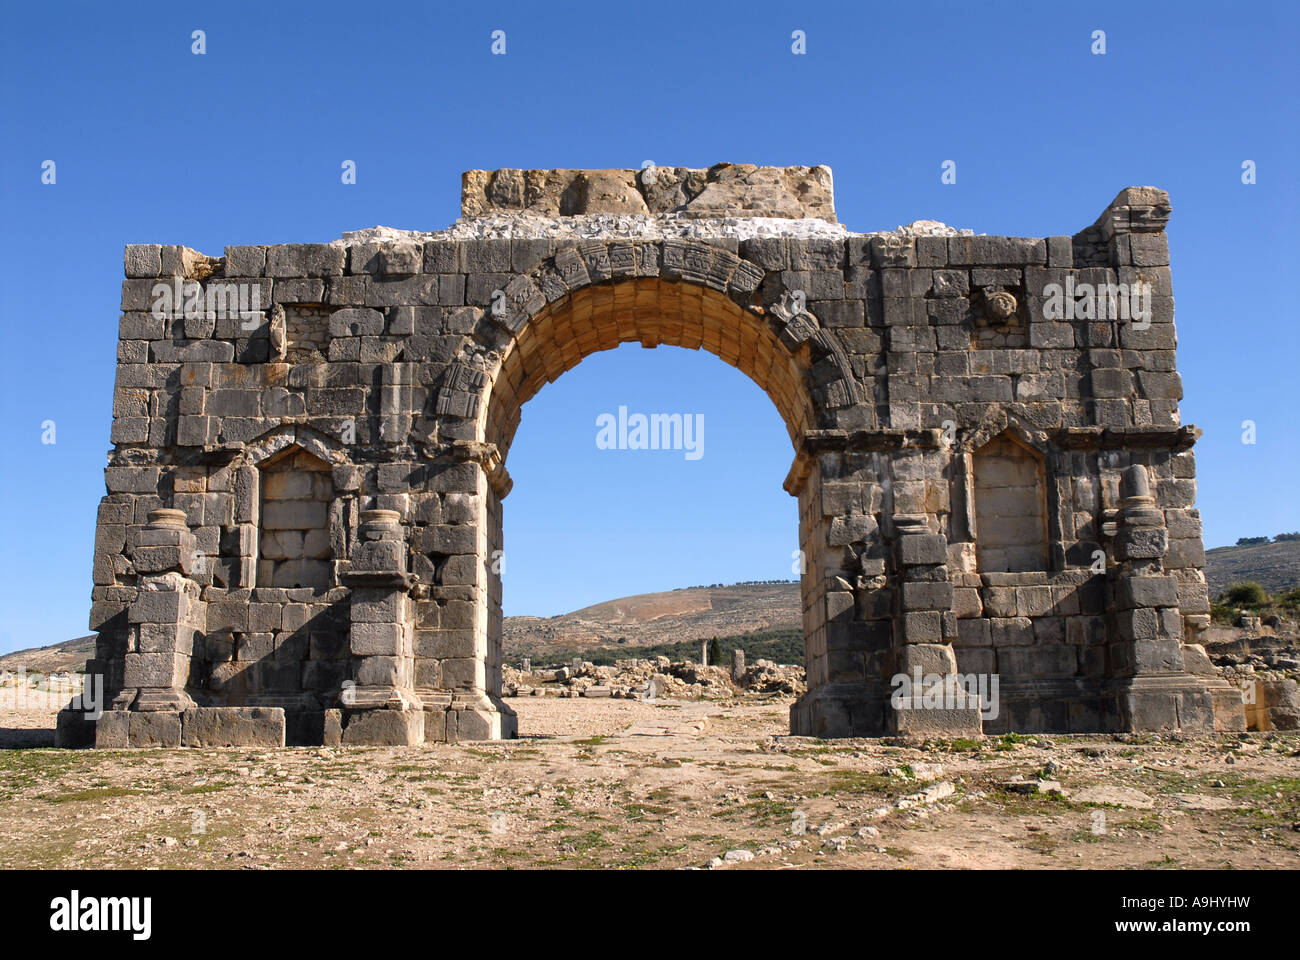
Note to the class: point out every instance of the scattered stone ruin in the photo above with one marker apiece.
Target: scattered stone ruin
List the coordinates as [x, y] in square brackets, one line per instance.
[301, 534]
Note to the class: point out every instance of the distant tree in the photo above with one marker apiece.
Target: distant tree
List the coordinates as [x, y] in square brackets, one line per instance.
[715, 651]
[1284, 537]
[1251, 541]
[1246, 594]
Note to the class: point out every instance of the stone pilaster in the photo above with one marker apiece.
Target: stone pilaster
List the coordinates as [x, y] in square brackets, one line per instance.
[847, 603]
[380, 705]
[1149, 687]
[164, 620]
[924, 629]
[166, 615]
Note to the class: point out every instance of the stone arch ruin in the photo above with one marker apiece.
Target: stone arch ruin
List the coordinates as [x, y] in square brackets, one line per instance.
[305, 493]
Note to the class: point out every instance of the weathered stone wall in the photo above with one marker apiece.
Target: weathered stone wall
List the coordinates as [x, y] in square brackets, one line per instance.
[360, 600]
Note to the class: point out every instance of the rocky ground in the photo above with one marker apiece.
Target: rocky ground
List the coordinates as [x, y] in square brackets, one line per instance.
[691, 783]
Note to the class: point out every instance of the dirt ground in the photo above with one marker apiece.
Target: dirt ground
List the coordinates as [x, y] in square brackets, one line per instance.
[622, 783]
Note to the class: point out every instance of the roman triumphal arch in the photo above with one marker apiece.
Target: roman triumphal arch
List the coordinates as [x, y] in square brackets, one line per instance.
[996, 495]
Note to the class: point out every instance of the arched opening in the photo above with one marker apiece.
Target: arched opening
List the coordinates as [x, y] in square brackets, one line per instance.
[1010, 485]
[651, 312]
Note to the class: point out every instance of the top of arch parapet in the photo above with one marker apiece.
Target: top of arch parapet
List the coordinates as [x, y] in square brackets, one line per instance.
[722, 191]
[728, 200]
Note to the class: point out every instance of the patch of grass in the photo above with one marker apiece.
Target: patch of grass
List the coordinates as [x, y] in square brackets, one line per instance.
[859, 782]
[1289, 787]
[638, 810]
[1042, 843]
[1043, 803]
[96, 793]
[586, 842]
[1009, 741]
[761, 811]
[1149, 820]
[20, 769]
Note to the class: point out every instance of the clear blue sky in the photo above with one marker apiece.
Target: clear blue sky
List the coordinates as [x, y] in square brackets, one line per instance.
[244, 145]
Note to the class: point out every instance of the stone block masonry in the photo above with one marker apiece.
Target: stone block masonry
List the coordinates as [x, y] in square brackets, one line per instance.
[305, 494]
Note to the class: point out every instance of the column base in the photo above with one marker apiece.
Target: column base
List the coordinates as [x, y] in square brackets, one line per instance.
[960, 716]
[477, 717]
[1158, 704]
[196, 727]
[126, 729]
[840, 710]
[1229, 709]
[74, 730]
[162, 699]
[233, 727]
[384, 727]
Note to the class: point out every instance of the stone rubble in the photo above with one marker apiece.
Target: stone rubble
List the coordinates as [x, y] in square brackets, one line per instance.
[635, 678]
[640, 227]
[1265, 666]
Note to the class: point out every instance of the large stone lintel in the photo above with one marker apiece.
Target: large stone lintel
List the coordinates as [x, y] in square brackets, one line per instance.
[867, 441]
[814, 442]
[193, 727]
[233, 727]
[1115, 438]
[376, 579]
[914, 719]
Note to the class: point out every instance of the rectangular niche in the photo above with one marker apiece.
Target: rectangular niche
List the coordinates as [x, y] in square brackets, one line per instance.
[1010, 507]
[294, 535]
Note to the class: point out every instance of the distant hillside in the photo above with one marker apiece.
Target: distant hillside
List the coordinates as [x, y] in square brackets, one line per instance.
[1274, 566]
[68, 657]
[651, 619]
